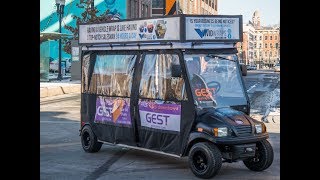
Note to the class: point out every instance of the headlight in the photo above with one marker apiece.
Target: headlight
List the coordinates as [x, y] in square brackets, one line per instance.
[258, 128]
[220, 132]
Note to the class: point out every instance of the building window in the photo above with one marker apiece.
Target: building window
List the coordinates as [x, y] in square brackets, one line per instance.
[275, 54]
[271, 45]
[260, 38]
[255, 37]
[142, 10]
[276, 45]
[266, 54]
[147, 13]
[265, 45]
[157, 4]
[260, 44]
[265, 37]
[271, 54]
[276, 37]
[270, 37]
[255, 45]
[207, 2]
[215, 6]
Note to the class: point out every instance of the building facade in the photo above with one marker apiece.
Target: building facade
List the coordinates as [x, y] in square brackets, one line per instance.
[270, 46]
[261, 45]
[187, 7]
[267, 40]
[119, 9]
[139, 8]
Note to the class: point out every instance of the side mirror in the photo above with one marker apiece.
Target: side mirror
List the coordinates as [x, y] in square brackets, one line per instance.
[176, 70]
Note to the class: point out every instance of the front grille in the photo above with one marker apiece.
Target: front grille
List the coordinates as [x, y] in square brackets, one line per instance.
[244, 130]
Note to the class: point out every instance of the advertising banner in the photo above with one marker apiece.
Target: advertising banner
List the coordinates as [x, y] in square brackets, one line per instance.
[131, 31]
[160, 115]
[213, 28]
[112, 110]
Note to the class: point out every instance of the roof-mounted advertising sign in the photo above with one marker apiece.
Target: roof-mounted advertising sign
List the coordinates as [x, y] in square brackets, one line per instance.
[220, 28]
[178, 28]
[160, 29]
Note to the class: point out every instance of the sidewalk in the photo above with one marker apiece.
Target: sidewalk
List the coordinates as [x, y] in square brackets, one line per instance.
[48, 89]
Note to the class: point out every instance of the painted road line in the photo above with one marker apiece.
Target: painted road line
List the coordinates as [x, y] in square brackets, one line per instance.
[61, 122]
[253, 86]
[59, 145]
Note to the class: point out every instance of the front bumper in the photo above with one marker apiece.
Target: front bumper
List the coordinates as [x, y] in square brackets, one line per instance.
[241, 140]
[229, 140]
[236, 152]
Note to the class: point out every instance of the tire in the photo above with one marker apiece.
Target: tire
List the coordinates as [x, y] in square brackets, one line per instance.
[263, 158]
[89, 140]
[205, 160]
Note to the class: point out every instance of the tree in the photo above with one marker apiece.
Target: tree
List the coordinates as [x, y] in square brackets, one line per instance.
[89, 15]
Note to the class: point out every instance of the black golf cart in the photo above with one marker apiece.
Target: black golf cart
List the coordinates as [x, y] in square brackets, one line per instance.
[170, 85]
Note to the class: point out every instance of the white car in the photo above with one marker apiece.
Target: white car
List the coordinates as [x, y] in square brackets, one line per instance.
[276, 68]
[55, 64]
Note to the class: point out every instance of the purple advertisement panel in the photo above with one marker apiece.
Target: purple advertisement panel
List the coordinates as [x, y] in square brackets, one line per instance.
[160, 115]
[113, 110]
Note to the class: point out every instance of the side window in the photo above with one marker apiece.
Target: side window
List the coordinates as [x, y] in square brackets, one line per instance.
[112, 75]
[161, 78]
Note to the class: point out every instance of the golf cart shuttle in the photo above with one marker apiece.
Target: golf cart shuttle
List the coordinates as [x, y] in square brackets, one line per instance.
[170, 85]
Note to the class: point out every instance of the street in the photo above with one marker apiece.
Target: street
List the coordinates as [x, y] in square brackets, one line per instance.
[62, 157]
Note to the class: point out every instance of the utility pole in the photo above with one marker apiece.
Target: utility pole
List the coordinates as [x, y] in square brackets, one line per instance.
[60, 6]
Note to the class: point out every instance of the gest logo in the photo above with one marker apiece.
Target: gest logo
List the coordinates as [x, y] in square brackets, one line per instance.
[157, 118]
[204, 92]
[103, 112]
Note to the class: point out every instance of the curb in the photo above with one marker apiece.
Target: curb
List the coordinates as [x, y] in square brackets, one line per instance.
[59, 90]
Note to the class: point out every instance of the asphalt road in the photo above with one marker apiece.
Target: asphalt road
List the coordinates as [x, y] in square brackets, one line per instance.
[62, 157]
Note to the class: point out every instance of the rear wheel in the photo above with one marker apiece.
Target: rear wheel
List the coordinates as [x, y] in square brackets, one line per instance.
[263, 157]
[89, 140]
[205, 160]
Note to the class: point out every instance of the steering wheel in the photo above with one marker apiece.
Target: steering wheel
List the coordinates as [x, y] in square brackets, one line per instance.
[215, 85]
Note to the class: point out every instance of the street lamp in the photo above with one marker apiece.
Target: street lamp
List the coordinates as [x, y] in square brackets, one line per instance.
[60, 6]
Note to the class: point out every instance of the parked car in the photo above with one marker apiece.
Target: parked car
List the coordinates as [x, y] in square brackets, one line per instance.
[54, 64]
[254, 67]
[277, 68]
[249, 67]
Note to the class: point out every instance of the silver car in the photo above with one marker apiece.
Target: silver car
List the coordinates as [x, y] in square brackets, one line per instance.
[277, 68]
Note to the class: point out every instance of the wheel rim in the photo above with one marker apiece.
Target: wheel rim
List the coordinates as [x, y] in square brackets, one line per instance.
[200, 161]
[258, 155]
[86, 140]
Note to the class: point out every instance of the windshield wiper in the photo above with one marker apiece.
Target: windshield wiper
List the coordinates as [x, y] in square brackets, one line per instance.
[214, 56]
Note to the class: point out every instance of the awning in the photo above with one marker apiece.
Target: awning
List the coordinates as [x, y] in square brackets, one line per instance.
[45, 36]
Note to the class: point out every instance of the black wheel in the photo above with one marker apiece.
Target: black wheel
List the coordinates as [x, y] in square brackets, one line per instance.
[89, 140]
[205, 160]
[263, 157]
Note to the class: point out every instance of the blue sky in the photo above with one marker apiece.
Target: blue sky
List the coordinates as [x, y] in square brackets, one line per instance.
[269, 9]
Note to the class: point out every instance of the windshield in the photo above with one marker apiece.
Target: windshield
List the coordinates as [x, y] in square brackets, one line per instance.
[215, 80]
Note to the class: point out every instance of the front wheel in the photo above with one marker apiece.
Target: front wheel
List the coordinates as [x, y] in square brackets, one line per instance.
[263, 157]
[205, 160]
[89, 140]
